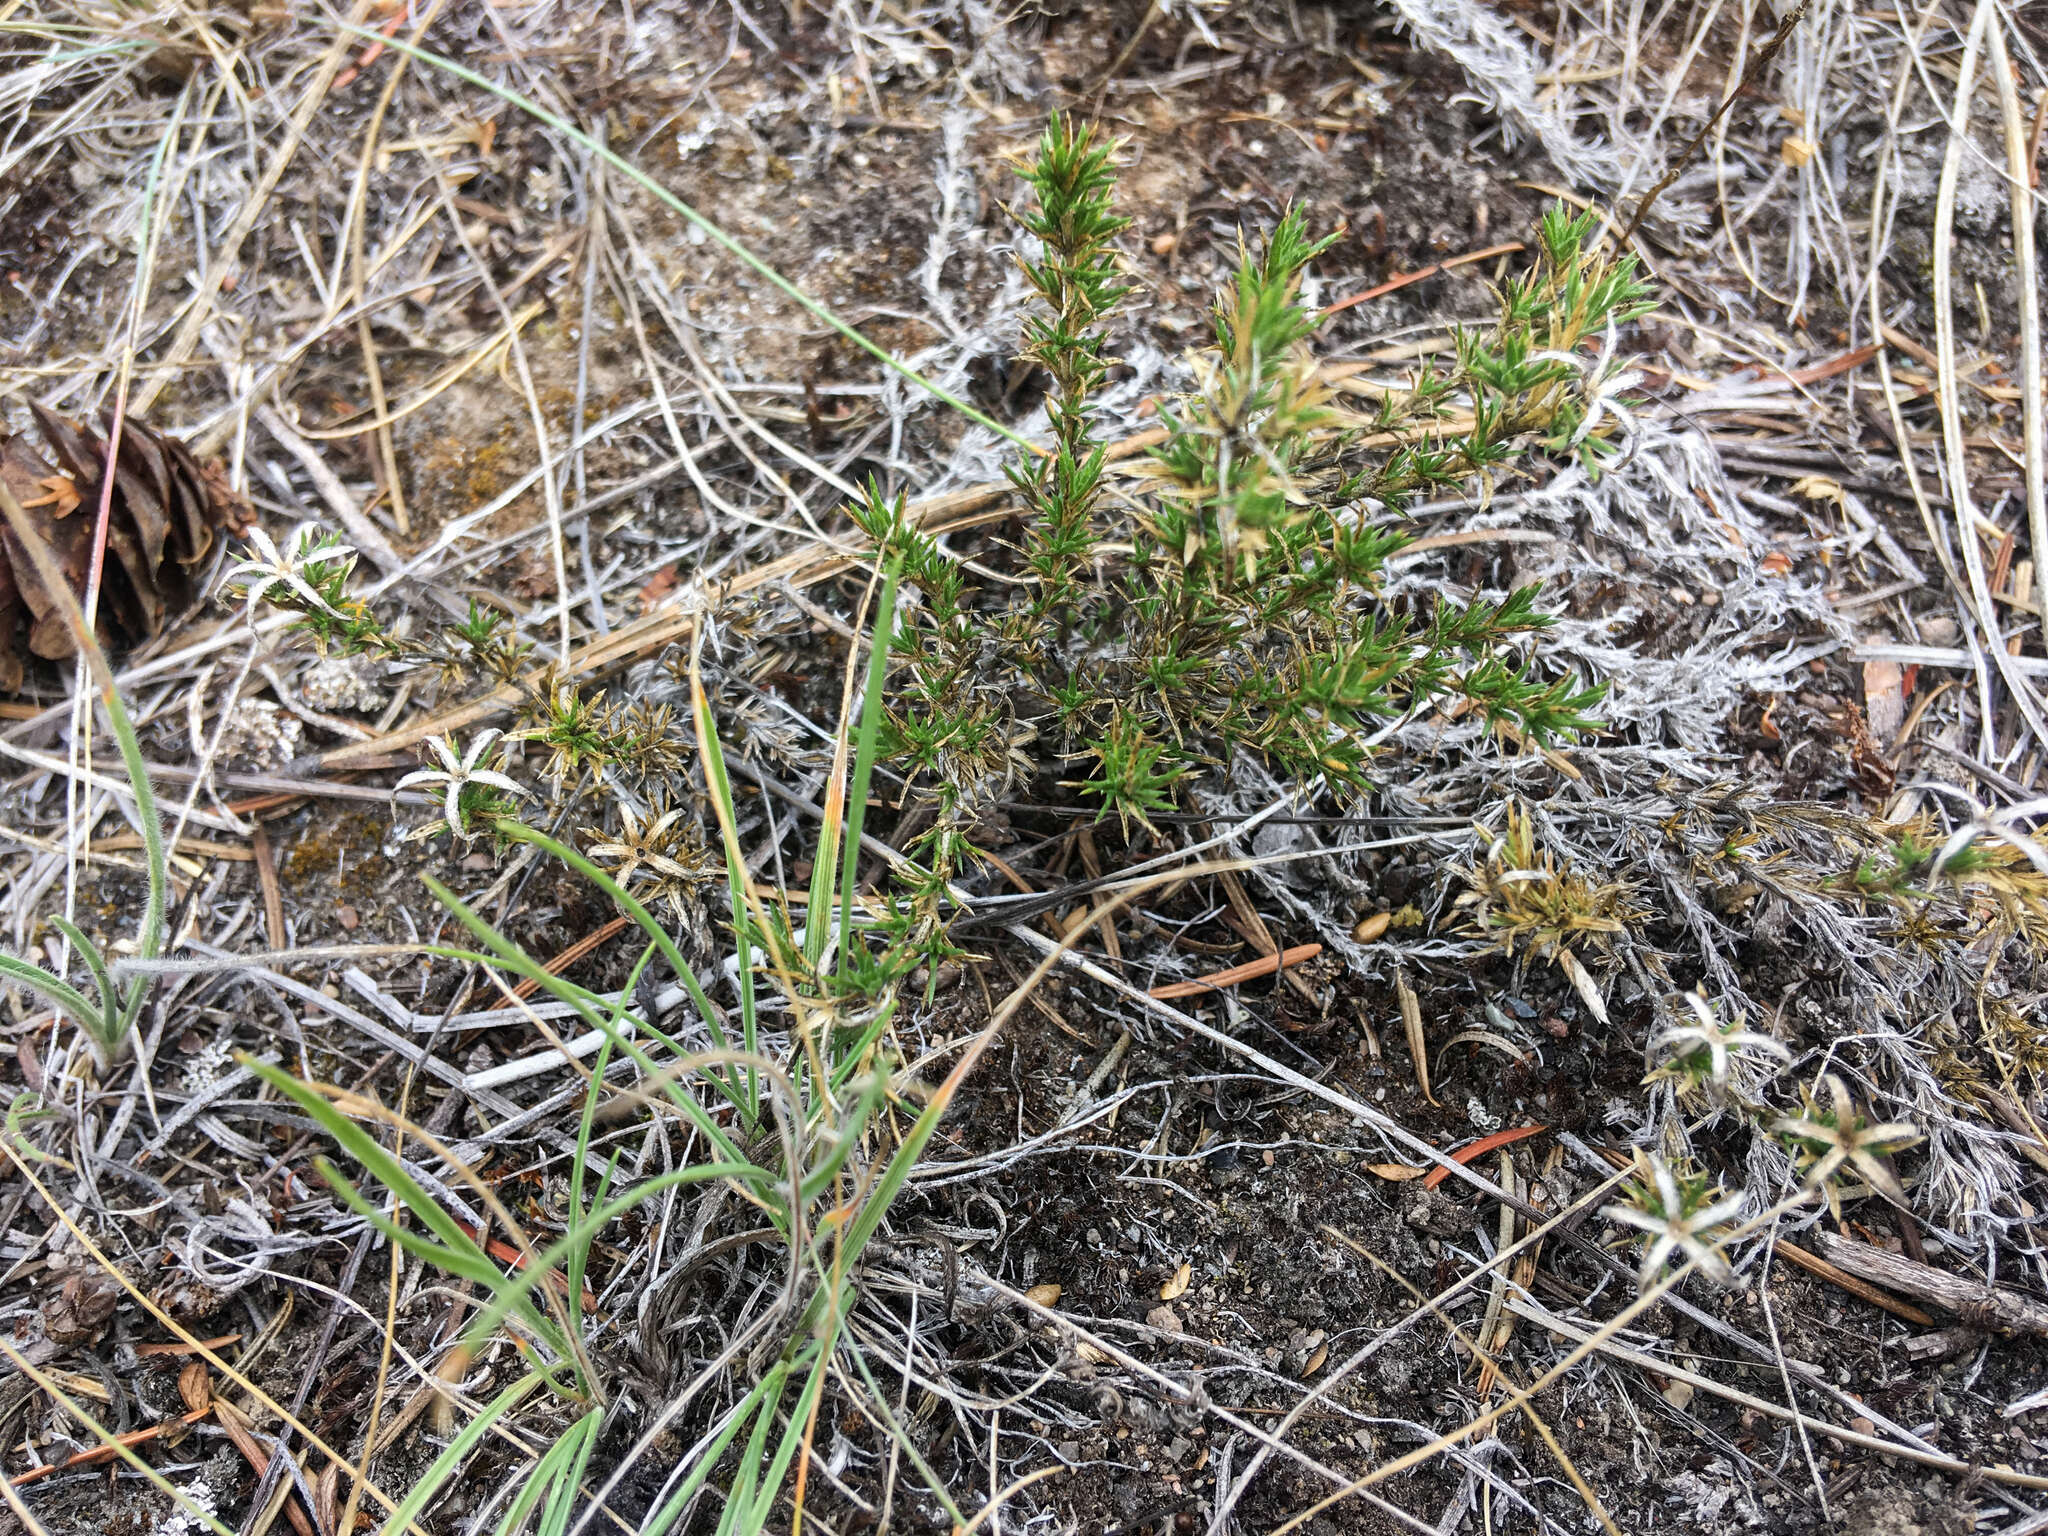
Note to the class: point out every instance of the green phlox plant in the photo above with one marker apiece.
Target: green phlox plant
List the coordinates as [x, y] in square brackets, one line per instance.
[1682, 1211]
[1227, 596]
[1830, 1136]
[1701, 1051]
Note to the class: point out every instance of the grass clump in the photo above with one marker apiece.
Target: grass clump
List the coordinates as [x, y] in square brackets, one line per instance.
[1228, 596]
[813, 1132]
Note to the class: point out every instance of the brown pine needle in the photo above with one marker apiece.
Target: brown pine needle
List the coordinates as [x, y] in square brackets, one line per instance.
[1251, 970]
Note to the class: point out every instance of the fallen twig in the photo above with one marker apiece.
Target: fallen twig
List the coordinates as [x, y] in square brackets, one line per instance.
[1816, 1265]
[102, 1453]
[258, 1456]
[274, 931]
[1750, 76]
[373, 51]
[1982, 1306]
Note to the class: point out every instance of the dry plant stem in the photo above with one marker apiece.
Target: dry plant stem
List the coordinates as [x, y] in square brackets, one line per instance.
[1535, 1235]
[190, 1340]
[29, 1523]
[1601, 1340]
[1351, 1106]
[1675, 77]
[1176, 1390]
[1265, 1063]
[696, 219]
[1820, 1487]
[425, 394]
[50, 763]
[362, 532]
[179, 1498]
[1901, 434]
[1411, 1025]
[2019, 167]
[803, 567]
[1251, 970]
[1952, 431]
[1765, 54]
[1814, 1264]
[254, 207]
[1536, 1313]
[1481, 1354]
[1986, 1306]
[1002, 1496]
[1395, 284]
[575, 952]
[105, 1453]
[373, 371]
[550, 483]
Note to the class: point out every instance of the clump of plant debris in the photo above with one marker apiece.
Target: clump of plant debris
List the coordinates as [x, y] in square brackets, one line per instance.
[161, 509]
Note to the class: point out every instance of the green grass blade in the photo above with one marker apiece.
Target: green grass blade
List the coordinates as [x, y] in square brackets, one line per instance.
[110, 1031]
[455, 1453]
[579, 1442]
[742, 1415]
[754, 1520]
[876, 1206]
[932, 1481]
[719, 786]
[648, 924]
[846, 1139]
[864, 755]
[514, 1290]
[685, 977]
[541, 1482]
[740, 1497]
[386, 1170]
[149, 942]
[579, 1254]
[55, 990]
[471, 1263]
[508, 954]
[818, 910]
[89, 955]
[851, 1057]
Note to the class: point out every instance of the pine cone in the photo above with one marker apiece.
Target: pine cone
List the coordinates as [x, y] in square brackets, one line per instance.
[161, 526]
